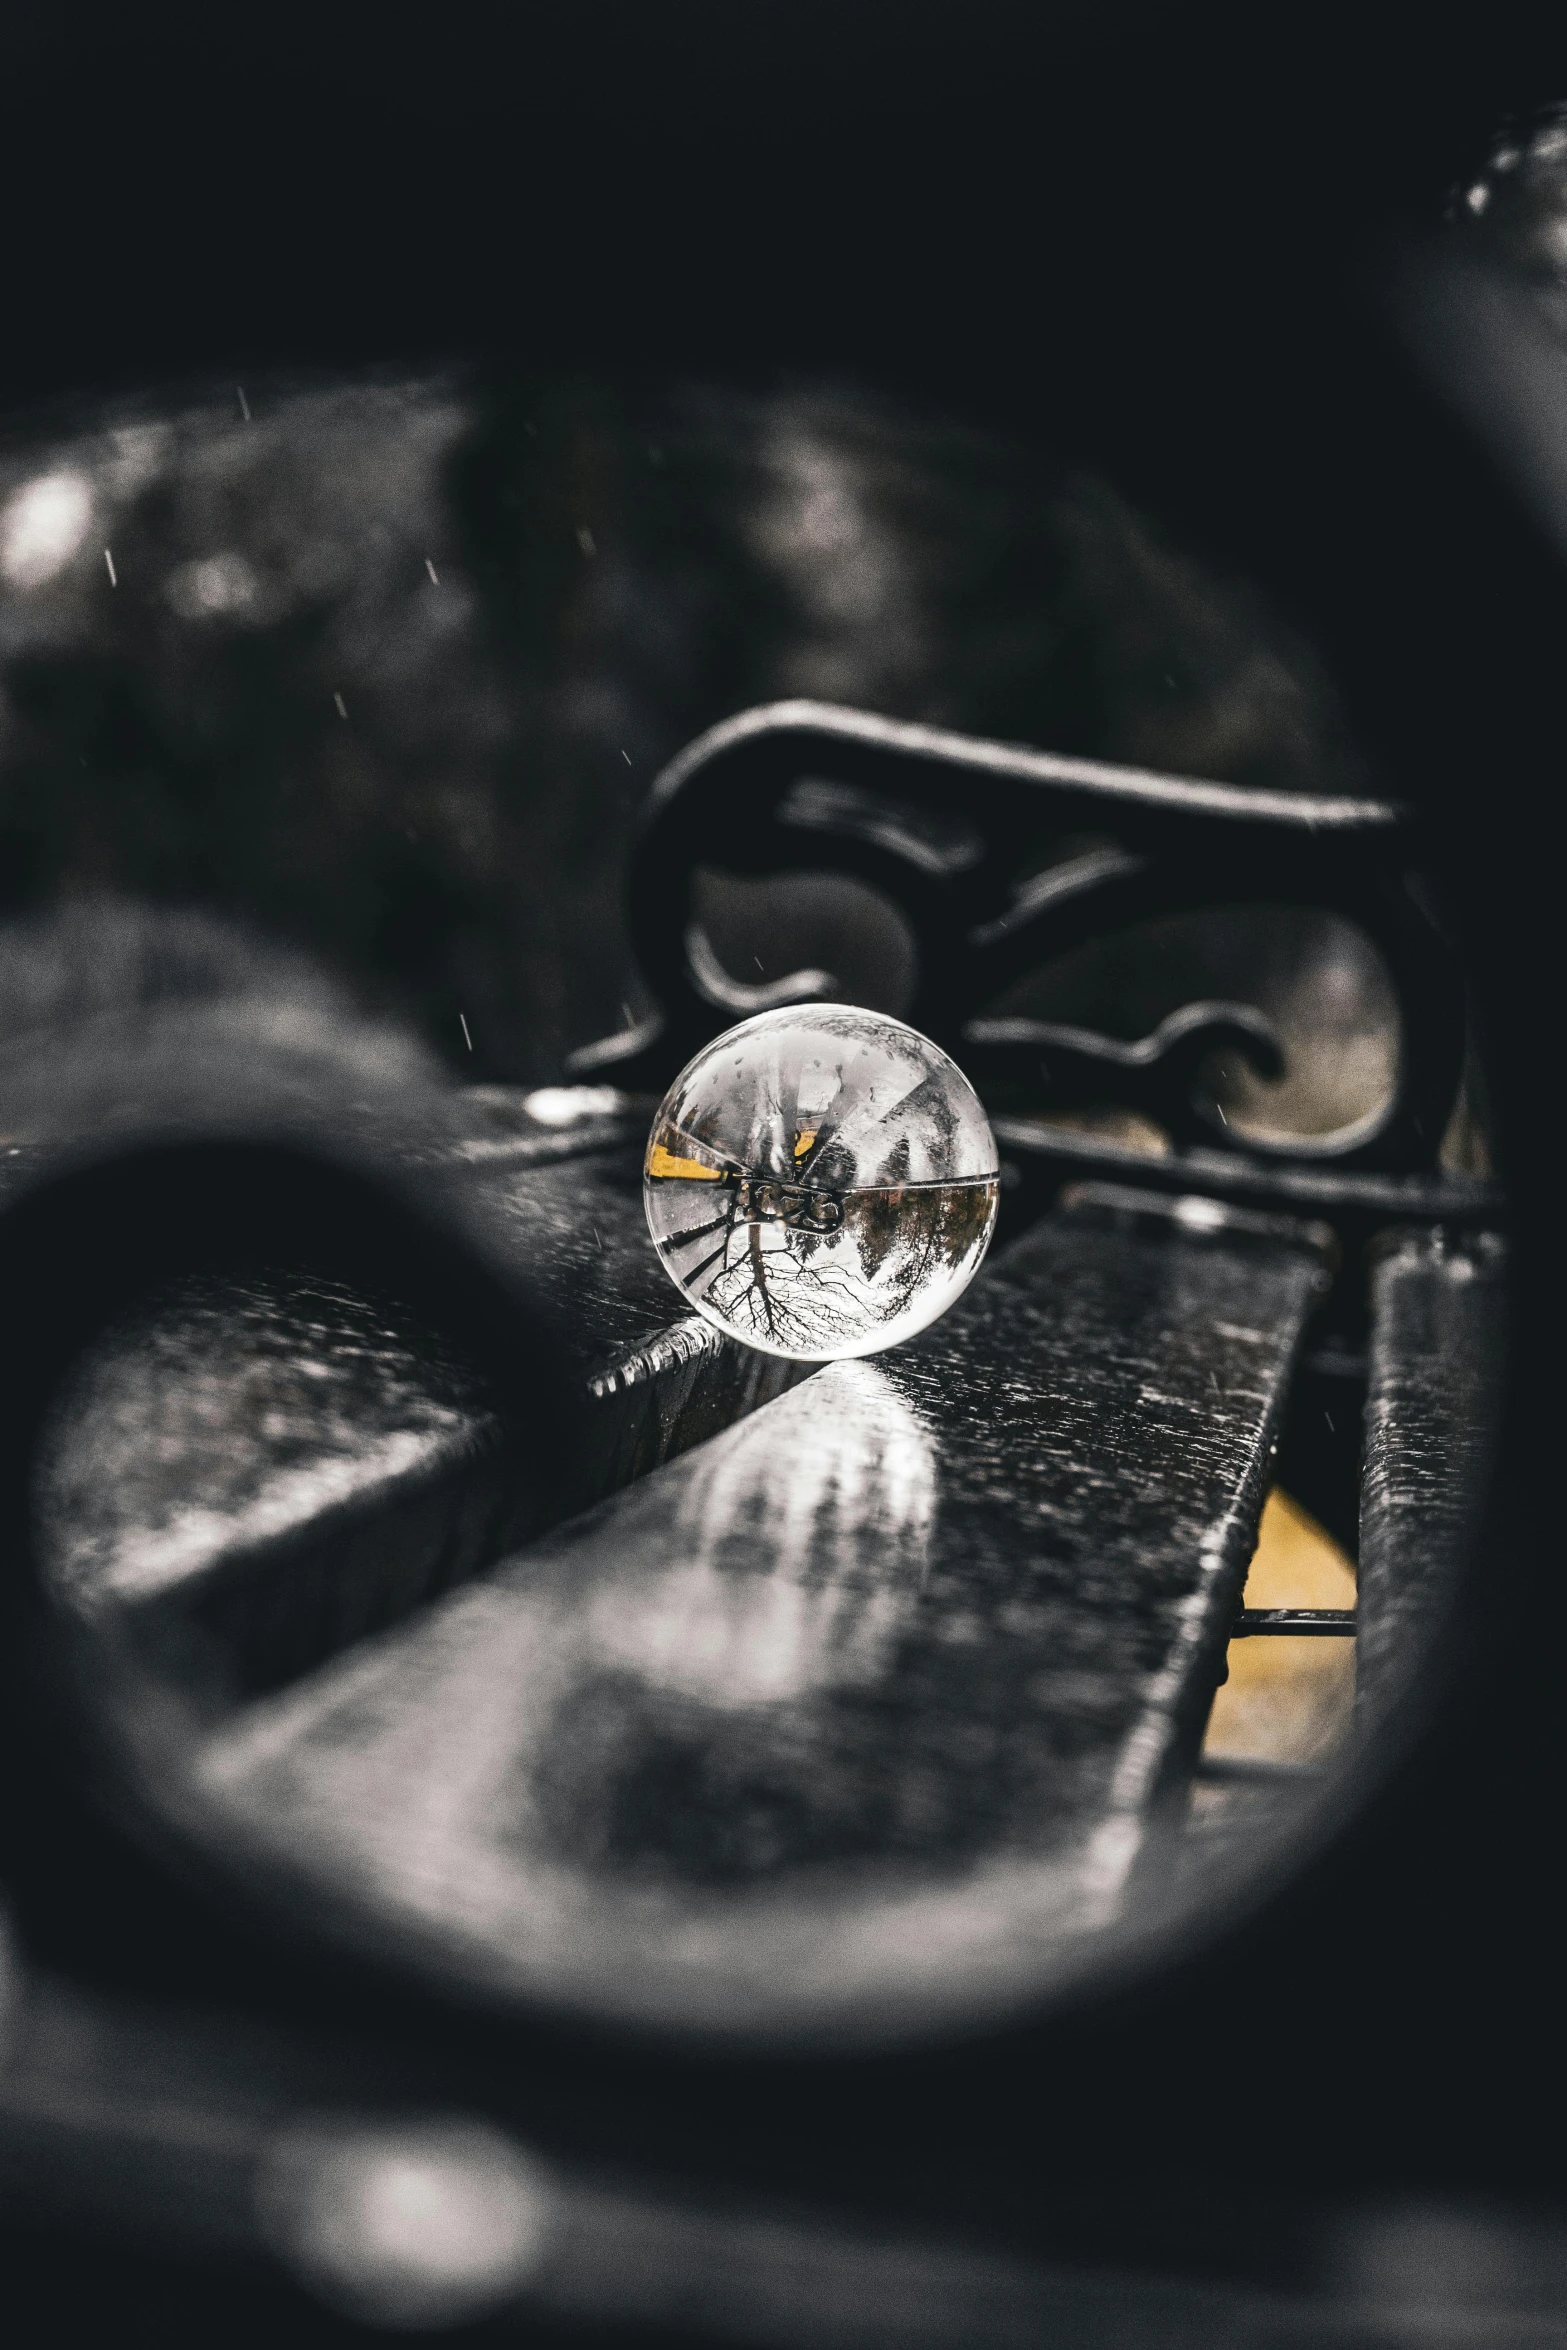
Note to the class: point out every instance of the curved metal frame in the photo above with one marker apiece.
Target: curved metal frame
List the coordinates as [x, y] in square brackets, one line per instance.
[949, 828]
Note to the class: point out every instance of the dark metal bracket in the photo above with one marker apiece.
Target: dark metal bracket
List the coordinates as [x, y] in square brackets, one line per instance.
[972, 841]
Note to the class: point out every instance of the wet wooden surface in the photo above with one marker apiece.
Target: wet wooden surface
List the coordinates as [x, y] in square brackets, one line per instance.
[878, 1706]
[255, 1470]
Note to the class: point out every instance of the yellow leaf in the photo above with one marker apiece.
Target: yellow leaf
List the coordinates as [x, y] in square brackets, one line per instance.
[663, 1162]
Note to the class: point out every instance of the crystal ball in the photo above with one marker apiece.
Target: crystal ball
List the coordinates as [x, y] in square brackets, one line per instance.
[821, 1181]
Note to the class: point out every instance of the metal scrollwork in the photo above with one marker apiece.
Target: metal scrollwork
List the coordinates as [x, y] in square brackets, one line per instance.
[949, 828]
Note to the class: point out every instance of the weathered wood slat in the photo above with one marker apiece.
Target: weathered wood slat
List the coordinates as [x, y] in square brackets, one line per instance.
[862, 1714]
[258, 1469]
[1437, 1359]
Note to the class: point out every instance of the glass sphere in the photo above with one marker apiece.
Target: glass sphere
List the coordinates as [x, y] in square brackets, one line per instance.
[821, 1182]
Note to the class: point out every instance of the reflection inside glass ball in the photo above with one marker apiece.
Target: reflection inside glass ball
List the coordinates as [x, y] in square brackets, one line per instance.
[821, 1182]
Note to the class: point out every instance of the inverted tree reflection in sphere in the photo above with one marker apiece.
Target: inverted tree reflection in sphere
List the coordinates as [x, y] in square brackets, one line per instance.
[821, 1181]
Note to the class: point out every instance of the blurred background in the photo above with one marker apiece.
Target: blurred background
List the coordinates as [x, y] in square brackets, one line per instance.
[411, 435]
[383, 668]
